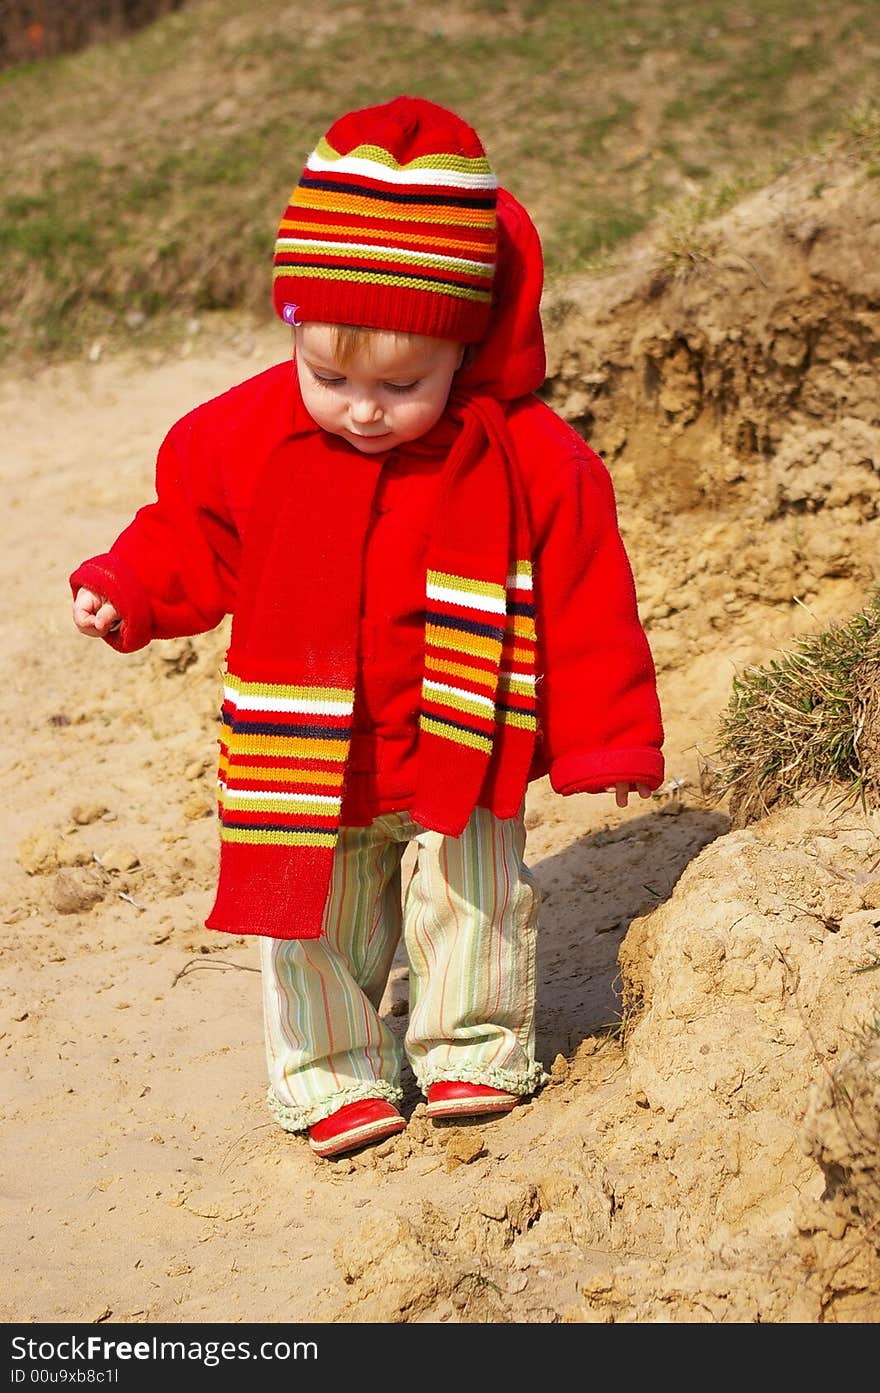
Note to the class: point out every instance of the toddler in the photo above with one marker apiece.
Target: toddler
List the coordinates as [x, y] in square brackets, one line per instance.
[431, 606]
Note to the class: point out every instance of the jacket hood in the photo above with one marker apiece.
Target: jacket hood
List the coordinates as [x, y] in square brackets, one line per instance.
[509, 360]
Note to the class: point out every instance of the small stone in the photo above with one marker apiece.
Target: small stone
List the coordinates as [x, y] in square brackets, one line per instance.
[75, 890]
[119, 857]
[198, 805]
[85, 813]
[559, 1069]
[463, 1148]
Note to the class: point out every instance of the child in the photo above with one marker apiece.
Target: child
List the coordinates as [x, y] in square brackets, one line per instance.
[431, 606]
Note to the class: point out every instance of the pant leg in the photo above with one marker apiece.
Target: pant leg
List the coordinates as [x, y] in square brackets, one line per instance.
[326, 1044]
[470, 928]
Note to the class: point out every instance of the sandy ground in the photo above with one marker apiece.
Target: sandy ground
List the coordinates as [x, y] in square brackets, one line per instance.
[698, 985]
[135, 1034]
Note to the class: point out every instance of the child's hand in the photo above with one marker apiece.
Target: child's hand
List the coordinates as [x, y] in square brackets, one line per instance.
[93, 614]
[622, 792]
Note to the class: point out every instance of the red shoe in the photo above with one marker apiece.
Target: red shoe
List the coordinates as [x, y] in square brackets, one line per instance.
[454, 1098]
[357, 1124]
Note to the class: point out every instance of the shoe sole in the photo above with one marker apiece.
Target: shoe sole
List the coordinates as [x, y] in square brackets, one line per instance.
[472, 1107]
[358, 1136]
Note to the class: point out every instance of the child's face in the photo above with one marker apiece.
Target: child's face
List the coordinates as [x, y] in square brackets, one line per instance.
[392, 389]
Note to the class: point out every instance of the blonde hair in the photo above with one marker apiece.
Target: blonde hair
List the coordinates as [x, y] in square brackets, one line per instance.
[350, 339]
[347, 340]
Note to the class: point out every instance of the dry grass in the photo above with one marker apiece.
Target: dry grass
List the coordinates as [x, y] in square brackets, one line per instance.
[861, 135]
[808, 720]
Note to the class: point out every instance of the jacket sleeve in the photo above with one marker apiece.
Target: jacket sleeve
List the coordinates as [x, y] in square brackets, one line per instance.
[172, 571]
[599, 713]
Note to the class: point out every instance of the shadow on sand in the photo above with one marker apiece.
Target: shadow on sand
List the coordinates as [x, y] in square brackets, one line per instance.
[591, 893]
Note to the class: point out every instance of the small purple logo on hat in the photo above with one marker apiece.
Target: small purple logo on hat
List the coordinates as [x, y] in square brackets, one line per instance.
[288, 314]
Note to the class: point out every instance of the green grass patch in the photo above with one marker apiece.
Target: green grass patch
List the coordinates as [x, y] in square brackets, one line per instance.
[151, 172]
[581, 244]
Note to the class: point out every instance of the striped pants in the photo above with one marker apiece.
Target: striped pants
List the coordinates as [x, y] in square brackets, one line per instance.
[469, 923]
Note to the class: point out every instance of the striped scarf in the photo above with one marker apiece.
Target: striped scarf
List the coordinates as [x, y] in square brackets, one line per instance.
[292, 664]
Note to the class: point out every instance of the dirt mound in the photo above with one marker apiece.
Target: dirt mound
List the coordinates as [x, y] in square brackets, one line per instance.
[706, 1149]
[731, 386]
[677, 1179]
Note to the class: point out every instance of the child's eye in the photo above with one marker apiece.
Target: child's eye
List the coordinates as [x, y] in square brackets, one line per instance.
[399, 386]
[327, 381]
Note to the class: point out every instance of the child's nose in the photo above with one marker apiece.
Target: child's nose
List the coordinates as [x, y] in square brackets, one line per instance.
[365, 408]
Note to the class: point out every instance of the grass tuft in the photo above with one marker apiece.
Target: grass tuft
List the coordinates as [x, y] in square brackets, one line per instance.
[686, 243]
[860, 134]
[809, 720]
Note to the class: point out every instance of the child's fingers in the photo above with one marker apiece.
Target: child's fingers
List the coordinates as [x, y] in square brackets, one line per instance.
[622, 792]
[85, 607]
[106, 617]
[86, 601]
[93, 614]
[86, 625]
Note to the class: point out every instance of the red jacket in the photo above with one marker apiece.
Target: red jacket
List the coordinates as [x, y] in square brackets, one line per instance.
[173, 572]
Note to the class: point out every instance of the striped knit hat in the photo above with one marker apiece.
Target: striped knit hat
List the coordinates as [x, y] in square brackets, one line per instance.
[392, 225]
